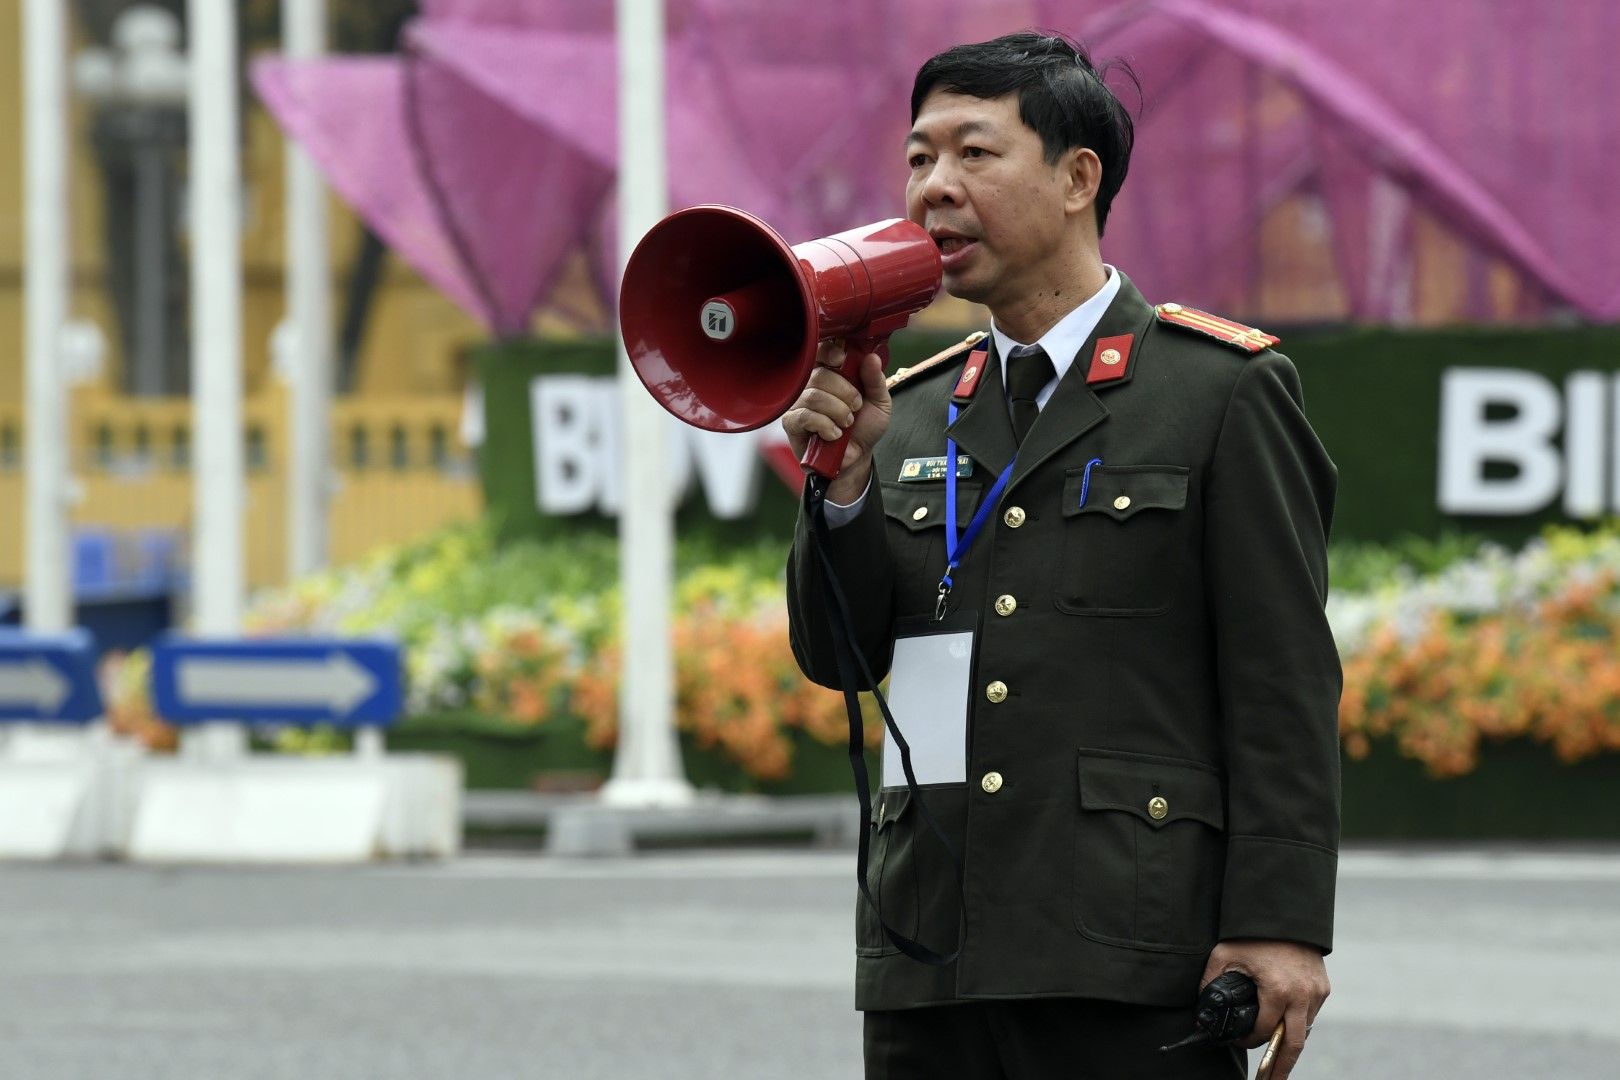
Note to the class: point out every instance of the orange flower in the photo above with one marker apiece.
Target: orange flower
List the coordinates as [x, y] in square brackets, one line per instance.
[1551, 673]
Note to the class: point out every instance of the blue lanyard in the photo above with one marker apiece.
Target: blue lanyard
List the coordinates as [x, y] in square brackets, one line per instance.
[956, 547]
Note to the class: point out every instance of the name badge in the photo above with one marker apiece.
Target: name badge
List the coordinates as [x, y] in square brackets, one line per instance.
[928, 694]
[933, 468]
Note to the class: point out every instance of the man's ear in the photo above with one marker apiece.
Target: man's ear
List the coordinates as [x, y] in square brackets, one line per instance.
[1082, 177]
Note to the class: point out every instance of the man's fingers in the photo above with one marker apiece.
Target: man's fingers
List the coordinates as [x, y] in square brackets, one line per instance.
[835, 408]
[1293, 1044]
[831, 354]
[806, 422]
[834, 385]
[1271, 1013]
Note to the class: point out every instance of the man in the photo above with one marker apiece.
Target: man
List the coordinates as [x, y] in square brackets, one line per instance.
[1147, 792]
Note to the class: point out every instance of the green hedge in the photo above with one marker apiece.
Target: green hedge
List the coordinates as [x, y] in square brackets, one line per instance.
[1372, 394]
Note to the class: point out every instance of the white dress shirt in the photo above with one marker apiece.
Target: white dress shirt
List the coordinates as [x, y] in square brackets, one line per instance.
[1061, 343]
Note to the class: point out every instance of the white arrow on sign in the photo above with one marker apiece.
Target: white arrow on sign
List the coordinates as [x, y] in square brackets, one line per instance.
[337, 683]
[34, 683]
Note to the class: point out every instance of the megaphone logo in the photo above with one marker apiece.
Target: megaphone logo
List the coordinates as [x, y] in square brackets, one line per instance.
[718, 320]
[721, 318]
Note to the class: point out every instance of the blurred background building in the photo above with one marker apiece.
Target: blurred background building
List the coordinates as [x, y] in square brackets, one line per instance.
[399, 341]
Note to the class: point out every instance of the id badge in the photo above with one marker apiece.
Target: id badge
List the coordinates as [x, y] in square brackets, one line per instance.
[929, 681]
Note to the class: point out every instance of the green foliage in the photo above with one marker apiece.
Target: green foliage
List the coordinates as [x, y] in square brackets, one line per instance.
[1363, 567]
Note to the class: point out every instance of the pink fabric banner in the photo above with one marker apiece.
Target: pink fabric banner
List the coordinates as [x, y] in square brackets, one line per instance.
[1502, 129]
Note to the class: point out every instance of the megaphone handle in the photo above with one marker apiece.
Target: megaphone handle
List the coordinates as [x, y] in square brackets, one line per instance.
[825, 458]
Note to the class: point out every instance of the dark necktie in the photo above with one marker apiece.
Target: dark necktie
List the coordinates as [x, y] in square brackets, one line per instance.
[1029, 369]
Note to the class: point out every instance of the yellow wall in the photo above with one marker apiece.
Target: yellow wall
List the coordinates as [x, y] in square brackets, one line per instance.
[416, 477]
[413, 332]
[407, 380]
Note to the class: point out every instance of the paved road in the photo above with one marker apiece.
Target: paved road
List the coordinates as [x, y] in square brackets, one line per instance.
[1450, 966]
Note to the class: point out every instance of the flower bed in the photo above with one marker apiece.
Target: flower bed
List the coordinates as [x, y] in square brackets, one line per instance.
[1495, 646]
[525, 639]
[1447, 646]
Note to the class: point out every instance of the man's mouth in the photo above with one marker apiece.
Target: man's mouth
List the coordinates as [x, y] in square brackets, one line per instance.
[953, 246]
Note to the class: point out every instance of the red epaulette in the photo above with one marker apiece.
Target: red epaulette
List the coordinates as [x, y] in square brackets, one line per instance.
[1225, 331]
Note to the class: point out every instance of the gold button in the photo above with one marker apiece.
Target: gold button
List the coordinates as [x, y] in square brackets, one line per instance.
[1122, 503]
[1157, 808]
[1006, 605]
[1014, 516]
[1169, 309]
[1110, 356]
[996, 691]
[919, 513]
[991, 782]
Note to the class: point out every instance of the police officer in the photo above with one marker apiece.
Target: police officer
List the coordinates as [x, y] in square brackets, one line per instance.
[1129, 729]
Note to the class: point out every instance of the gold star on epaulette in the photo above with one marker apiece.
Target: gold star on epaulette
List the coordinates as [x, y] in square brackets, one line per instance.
[906, 374]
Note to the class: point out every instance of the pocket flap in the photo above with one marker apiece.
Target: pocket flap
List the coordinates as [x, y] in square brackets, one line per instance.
[1123, 490]
[922, 506]
[889, 805]
[1155, 790]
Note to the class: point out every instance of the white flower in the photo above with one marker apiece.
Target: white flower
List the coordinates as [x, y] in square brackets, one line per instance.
[1492, 581]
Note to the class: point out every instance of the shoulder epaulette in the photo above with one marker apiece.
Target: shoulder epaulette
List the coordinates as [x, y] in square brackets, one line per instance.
[906, 374]
[1225, 331]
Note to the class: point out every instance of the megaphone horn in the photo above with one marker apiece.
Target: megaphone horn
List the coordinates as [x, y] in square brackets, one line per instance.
[721, 318]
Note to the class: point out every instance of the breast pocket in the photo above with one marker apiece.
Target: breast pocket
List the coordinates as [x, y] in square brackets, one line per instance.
[916, 514]
[1125, 537]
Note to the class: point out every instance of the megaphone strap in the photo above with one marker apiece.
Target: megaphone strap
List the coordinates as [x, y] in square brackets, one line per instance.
[853, 674]
[935, 362]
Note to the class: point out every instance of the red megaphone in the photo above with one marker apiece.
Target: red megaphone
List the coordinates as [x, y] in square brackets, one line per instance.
[721, 317]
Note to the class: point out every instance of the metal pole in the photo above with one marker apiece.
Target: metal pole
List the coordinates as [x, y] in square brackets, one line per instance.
[647, 768]
[308, 305]
[47, 281]
[151, 245]
[218, 478]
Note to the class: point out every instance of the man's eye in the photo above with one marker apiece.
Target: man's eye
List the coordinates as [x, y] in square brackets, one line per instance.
[917, 161]
[973, 152]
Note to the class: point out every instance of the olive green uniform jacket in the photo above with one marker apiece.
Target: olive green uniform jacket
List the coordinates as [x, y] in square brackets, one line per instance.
[1167, 643]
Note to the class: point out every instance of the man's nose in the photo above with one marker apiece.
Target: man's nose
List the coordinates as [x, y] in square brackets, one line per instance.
[942, 188]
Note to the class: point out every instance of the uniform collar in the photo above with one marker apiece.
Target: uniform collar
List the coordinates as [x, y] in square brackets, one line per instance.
[1062, 342]
[984, 431]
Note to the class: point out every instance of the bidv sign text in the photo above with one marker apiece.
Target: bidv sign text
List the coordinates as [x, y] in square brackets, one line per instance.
[575, 422]
[1512, 419]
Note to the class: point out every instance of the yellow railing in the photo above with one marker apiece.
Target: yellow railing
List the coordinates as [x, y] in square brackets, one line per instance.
[401, 471]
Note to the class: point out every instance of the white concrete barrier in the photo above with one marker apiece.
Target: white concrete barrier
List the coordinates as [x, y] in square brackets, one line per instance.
[60, 792]
[266, 808]
[69, 792]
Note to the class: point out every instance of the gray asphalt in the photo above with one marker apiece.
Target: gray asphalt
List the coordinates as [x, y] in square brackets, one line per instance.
[1449, 965]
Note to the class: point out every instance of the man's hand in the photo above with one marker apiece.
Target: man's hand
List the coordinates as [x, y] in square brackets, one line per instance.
[830, 405]
[1293, 983]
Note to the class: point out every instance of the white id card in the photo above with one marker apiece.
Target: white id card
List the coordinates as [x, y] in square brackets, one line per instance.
[928, 694]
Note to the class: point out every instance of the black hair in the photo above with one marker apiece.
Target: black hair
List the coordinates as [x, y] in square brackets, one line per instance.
[1061, 97]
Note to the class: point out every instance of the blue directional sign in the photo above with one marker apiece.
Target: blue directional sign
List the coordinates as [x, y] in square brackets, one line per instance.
[353, 682]
[49, 678]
